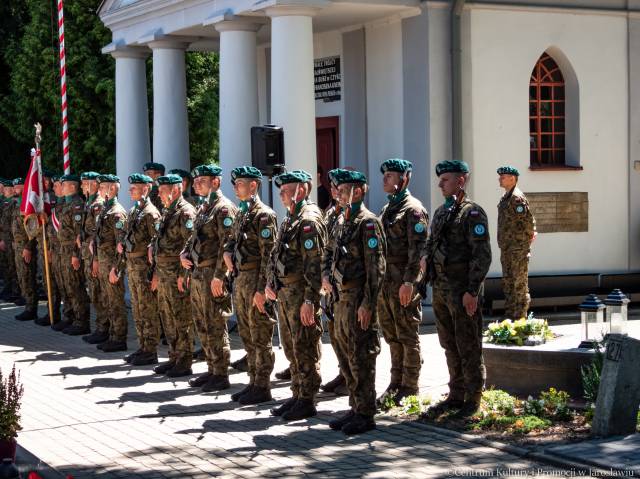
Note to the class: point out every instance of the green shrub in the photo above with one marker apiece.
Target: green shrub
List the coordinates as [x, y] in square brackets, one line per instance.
[556, 405]
[11, 391]
[415, 404]
[526, 424]
[591, 373]
[496, 402]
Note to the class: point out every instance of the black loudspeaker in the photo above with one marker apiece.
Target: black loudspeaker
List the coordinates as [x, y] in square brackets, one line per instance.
[267, 148]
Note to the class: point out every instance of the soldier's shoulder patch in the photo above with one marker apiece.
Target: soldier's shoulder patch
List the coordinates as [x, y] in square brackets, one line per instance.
[77, 217]
[479, 230]
[308, 244]
[264, 219]
[419, 228]
[265, 233]
[188, 224]
[306, 229]
[224, 211]
[157, 226]
[416, 213]
[474, 213]
[520, 209]
[78, 207]
[119, 224]
[372, 243]
[370, 226]
[227, 222]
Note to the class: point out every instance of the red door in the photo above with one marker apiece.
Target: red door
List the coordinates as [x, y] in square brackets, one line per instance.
[327, 145]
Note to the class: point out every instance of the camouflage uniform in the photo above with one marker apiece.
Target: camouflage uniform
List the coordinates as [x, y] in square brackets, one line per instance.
[92, 209]
[356, 265]
[26, 272]
[461, 256]
[174, 307]
[205, 248]
[110, 226]
[295, 271]
[155, 199]
[516, 227]
[250, 243]
[7, 236]
[57, 285]
[3, 255]
[74, 281]
[141, 228]
[406, 224]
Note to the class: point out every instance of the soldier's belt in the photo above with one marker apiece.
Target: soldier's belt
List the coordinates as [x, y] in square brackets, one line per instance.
[253, 265]
[291, 279]
[67, 243]
[139, 254]
[206, 263]
[397, 259]
[167, 259]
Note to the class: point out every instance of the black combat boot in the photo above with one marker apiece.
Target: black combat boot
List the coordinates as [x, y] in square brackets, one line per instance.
[302, 409]
[62, 325]
[144, 359]
[162, 368]
[358, 424]
[200, 381]
[27, 315]
[337, 423]
[284, 407]
[130, 357]
[256, 396]
[19, 301]
[216, 382]
[97, 337]
[113, 346]
[333, 384]
[235, 396]
[179, 370]
[240, 364]
[284, 375]
[77, 330]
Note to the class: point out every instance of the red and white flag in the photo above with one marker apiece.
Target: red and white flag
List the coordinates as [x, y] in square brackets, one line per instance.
[33, 201]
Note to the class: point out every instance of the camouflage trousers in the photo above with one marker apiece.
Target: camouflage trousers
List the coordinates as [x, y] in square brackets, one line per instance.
[11, 276]
[515, 282]
[112, 298]
[461, 338]
[56, 293]
[27, 277]
[175, 313]
[301, 343]
[97, 295]
[332, 338]
[400, 328]
[255, 329]
[58, 279]
[75, 287]
[144, 305]
[358, 350]
[3, 266]
[210, 318]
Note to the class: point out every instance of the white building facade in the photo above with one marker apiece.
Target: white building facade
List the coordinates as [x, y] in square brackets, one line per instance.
[354, 82]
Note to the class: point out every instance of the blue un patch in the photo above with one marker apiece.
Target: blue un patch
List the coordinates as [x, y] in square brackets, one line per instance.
[227, 222]
[372, 243]
[479, 230]
[265, 233]
[419, 228]
[189, 224]
[520, 209]
[308, 244]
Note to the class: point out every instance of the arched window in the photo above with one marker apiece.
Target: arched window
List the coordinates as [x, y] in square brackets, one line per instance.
[547, 114]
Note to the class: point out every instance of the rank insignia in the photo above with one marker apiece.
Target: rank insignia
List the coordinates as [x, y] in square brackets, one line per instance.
[372, 243]
[308, 244]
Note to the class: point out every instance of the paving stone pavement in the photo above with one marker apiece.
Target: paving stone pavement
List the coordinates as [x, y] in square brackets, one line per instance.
[622, 453]
[88, 414]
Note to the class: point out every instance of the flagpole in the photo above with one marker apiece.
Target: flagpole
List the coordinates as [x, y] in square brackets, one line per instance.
[63, 89]
[45, 246]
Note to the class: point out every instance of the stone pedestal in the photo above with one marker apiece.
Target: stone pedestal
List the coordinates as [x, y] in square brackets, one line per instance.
[619, 394]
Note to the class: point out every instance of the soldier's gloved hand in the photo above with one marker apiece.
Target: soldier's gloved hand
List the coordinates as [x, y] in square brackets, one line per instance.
[154, 282]
[26, 255]
[185, 262]
[120, 248]
[75, 263]
[228, 261]
[3, 246]
[258, 301]
[307, 311]
[406, 294]
[95, 268]
[113, 276]
[270, 293]
[470, 303]
[364, 317]
[326, 285]
[181, 284]
[217, 287]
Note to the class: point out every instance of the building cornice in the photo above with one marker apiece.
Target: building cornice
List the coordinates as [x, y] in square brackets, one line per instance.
[536, 8]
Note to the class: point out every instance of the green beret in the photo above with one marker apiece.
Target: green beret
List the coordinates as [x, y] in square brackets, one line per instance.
[153, 166]
[89, 175]
[139, 178]
[295, 176]
[18, 181]
[331, 175]
[508, 170]
[108, 179]
[180, 173]
[70, 177]
[169, 179]
[7, 182]
[451, 166]
[206, 170]
[55, 177]
[348, 176]
[396, 164]
[249, 172]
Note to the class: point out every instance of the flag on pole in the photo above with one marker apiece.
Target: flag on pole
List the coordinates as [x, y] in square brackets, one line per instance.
[33, 201]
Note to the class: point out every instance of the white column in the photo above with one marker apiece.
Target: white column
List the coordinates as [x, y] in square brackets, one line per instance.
[292, 89]
[238, 92]
[132, 114]
[170, 127]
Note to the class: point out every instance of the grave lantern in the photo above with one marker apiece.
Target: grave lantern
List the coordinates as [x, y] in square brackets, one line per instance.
[617, 311]
[592, 321]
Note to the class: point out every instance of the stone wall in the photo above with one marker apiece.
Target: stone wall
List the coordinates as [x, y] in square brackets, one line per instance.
[560, 212]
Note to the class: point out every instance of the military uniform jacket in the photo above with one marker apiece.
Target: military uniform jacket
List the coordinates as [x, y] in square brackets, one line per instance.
[110, 226]
[71, 223]
[516, 224]
[212, 230]
[92, 210]
[155, 198]
[357, 256]
[252, 238]
[331, 216]
[140, 229]
[406, 223]
[52, 235]
[174, 230]
[7, 215]
[20, 237]
[297, 256]
[463, 253]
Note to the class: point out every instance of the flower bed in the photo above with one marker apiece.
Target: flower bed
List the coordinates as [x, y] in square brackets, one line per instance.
[522, 332]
